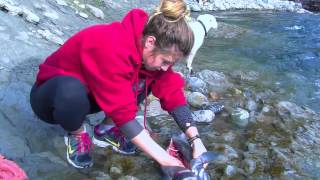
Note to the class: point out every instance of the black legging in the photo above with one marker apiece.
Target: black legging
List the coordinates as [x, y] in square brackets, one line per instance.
[64, 100]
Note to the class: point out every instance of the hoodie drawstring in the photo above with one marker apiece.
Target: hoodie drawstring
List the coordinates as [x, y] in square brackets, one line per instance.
[136, 84]
[145, 108]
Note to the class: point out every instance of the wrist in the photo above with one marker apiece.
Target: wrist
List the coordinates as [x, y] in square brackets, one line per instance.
[193, 138]
[196, 142]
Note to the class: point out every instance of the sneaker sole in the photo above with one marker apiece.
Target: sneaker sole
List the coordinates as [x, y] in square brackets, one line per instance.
[104, 144]
[70, 161]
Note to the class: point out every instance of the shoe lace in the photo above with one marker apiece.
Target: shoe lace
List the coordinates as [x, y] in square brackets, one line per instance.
[118, 136]
[84, 142]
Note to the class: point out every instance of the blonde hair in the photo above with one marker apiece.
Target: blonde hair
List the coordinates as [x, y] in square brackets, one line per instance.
[168, 25]
[172, 10]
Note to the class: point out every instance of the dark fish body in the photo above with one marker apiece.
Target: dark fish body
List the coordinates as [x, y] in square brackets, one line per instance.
[180, 148]
[185, 150]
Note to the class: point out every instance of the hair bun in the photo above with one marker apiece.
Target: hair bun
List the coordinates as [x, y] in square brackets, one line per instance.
[172, 10]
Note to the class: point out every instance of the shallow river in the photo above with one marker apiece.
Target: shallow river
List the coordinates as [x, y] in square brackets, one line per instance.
[284, 48]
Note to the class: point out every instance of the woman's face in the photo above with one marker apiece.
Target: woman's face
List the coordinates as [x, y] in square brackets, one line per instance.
[157, 61]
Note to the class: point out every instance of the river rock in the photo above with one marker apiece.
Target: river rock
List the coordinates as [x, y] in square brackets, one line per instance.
[230, 170]
[30, 16]
[250, 166]
[96, 11]
[251, 105]
[240, 117]
[61, 3]
[154, 109]
[115, 170]
[286, 109]
[215, 107]
[128, 178]
[50, 36]
[230, 152]
[229, 137]
[311, 5]
[214, 95]
[203, 116]
[197, 100]
[250, 76]
[196, 85]
[216, 81]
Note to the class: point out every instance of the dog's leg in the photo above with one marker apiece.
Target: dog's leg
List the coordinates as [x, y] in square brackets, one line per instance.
[189, 62]
[200, 2]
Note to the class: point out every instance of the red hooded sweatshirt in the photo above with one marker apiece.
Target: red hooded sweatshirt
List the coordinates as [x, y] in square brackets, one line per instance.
[107, 59]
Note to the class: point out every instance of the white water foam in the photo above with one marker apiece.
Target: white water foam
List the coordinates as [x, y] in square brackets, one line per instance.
[295, 27]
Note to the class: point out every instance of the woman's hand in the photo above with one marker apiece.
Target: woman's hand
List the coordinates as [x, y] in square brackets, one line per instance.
[196, 143]
[151, 148]
[171, 161]
[198, 148]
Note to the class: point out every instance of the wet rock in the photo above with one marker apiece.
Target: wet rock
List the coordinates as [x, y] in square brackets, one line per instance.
[251, 105]
[61, 3]
[96, 11]
[250, 166]
[115, 170]
[128, 178]
[215, 107]
[235, 91]
[196, 99]
[311, 5]
[4, 75]
[196, 85]
[100, 175]
[46, 165]
[154, 109]
[266, 109]
[230, 170]
[230, 152]
[203, 116]
[251, 147]
[51, 14]
[22, 36]
[227, 31]
[30, 16]
[240, 117]
[264, 96]
[250, 76]
[50, 36]
[214, 95]
[229, 137]
[290, 109]
[12, 146]
[83, 15]
[216, 81]
[10, 7]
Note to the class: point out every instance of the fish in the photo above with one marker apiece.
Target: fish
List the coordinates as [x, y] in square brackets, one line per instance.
[193, 168]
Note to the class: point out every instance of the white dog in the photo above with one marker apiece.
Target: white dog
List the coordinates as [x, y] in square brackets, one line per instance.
[201, 2]
[200, 28]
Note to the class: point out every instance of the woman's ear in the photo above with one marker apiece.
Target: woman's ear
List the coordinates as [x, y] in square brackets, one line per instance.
[150, 42]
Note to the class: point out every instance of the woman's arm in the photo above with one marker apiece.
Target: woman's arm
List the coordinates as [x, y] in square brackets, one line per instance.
[182, 115]
[151, 148]
[141, 138]
[196, 144]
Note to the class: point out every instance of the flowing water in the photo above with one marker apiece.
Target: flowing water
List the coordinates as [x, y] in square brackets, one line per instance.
[283, 47]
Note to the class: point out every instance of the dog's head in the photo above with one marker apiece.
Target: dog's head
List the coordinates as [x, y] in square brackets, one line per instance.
[208, 20]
